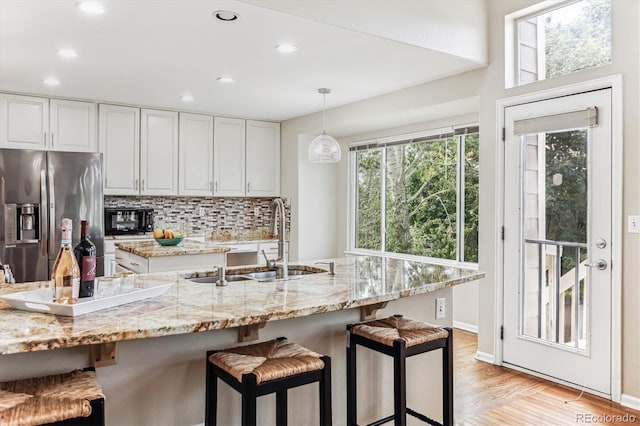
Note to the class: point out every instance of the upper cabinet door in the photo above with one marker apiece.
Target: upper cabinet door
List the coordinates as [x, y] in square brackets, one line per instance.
[159, 153]
[24, 122]
[196, 155]
[72, 126]
[119, 142]
[228, 157]
[263, 159]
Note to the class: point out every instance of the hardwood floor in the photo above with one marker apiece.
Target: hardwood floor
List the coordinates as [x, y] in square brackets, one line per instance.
[486, 394]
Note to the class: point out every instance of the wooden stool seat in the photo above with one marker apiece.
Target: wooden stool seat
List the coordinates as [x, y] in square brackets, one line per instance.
[265, 368]
[50, 399]
[400, 338]
[388, 330]
[270, 360]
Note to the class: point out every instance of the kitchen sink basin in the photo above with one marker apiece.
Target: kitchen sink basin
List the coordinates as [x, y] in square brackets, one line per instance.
[294, 272]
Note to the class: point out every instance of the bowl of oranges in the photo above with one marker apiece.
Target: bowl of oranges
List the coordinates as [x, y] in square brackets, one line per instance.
[167, 237]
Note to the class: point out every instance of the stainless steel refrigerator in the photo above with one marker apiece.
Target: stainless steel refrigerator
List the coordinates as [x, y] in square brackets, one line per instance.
[37, 190]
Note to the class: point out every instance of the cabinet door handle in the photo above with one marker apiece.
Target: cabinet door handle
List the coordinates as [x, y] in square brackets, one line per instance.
[248, 186]
[211, 186]
[143, 184]
[135, 263]
[44, 136]
[135, 185]
[215, 187]
[52, 135]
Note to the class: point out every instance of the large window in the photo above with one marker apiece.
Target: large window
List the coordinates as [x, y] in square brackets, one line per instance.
[418, 196]
[569, 37]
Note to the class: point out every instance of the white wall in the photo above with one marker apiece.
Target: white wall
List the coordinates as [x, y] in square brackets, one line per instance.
[437, 100]
[318, 214]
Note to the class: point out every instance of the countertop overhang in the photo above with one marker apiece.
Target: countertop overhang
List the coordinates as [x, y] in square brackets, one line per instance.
[186, 247]
[190, 307]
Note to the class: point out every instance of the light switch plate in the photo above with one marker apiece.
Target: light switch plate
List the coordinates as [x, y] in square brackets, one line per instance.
[634, 224]
[440, 312]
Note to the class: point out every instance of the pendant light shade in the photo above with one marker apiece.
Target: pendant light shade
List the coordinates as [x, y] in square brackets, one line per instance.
[324, 148]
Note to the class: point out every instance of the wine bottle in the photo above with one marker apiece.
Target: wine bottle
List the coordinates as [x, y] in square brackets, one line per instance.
[65, 275]
[85, 252]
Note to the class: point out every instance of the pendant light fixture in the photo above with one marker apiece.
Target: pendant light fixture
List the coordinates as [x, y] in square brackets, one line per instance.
[324, 148]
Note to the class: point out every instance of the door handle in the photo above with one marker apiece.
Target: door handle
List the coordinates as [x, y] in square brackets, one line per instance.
[52, 210]
[600, 264]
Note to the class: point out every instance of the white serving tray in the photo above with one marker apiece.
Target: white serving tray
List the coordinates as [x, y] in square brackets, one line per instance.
[40, 300]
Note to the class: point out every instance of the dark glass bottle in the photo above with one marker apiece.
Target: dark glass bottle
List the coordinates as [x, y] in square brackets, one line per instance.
[85, 252]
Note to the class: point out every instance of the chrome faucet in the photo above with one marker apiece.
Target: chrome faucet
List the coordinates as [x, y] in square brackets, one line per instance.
[280, 264]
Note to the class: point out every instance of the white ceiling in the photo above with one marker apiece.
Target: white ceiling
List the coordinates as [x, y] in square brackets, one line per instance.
[150, 52]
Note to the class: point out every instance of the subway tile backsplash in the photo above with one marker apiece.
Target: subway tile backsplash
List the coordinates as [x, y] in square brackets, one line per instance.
[204, 214]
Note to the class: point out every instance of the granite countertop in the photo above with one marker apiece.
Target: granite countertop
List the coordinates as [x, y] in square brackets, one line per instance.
[190, 307]
[186, 247]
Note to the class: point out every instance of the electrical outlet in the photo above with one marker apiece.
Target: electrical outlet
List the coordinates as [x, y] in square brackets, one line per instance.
[634, 224]
[440, 308]
[201, 211]
[256, 211]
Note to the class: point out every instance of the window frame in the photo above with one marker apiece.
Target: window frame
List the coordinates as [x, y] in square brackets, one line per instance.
[352, 204]
[512, 41]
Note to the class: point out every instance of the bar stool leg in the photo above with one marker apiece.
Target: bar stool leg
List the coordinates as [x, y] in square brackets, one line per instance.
[281, 407]
[211, 396]
[352, 406]
[325, 393]
[249, 400]
[400, 383]
[447, 380]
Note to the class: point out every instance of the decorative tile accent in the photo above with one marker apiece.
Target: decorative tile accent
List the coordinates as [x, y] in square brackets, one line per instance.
[219, 214]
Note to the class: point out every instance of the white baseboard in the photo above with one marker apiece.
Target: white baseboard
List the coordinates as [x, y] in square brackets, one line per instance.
[466, 327]
[485, 357]
[630, 401]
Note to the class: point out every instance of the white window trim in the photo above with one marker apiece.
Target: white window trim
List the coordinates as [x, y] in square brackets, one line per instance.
[352, 203]
[511, 46]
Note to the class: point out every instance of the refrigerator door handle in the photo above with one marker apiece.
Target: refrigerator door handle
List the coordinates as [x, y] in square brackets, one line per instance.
[52, 212]
[43, 206]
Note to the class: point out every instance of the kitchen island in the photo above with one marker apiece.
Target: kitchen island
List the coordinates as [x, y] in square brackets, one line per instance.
[149, 256]
[161, 381]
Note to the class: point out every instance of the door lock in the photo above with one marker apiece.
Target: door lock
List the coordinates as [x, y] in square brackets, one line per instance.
[600, 264]
[600, 243]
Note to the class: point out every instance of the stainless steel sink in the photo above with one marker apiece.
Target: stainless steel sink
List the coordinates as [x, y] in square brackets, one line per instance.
[294, 273]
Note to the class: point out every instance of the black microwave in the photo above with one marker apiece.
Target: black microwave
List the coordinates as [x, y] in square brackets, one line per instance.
[120, 221]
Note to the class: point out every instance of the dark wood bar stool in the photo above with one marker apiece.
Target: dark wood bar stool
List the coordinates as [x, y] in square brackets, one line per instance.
[400, 338]
[263, 368]
[71, 399]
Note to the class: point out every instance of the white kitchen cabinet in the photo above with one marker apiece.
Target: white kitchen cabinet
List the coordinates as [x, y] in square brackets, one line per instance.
[142, 265]
[246, 159]
[229, 157]
[119, 142]
[72, 126]
[158, 152]
[196, 155]
[262, 159]
[24, 122]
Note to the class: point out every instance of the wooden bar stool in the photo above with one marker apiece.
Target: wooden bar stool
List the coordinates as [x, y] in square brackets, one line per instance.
[263, 368]
[70, 399]
[400, 338]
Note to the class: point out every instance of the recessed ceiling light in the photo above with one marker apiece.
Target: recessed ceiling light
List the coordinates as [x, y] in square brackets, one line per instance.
[286, 48]
[226, 15]
[51, 81]
[67, 53]
[91, 7]
[186, 98]
[225, 79]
